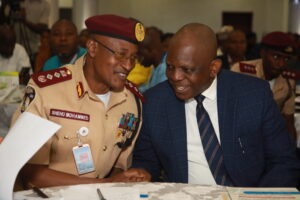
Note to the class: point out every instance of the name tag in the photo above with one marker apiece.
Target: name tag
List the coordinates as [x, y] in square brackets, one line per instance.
[69, 115]
[83, 159]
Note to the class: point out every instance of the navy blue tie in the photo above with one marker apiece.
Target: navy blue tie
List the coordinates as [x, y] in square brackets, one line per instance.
[211, 146]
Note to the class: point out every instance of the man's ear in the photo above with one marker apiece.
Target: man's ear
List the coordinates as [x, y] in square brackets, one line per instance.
[215, 67]
[91, 47]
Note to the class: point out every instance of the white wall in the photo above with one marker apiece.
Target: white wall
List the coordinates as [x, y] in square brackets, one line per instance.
[169, 15]
[294, 15]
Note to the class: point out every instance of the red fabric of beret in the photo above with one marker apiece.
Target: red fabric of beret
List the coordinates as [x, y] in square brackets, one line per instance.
[116, 27]
[279, 41]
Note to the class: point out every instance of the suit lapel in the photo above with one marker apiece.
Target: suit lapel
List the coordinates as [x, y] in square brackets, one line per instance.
[176, 115]
[227, 118]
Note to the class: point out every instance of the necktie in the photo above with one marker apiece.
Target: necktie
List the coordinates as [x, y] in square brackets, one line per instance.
[211, 146]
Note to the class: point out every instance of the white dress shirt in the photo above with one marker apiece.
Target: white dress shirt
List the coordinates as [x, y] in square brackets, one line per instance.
[198, 169]
[15, 63]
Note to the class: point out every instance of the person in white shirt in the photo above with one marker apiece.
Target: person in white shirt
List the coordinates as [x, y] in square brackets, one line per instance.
[12, 55]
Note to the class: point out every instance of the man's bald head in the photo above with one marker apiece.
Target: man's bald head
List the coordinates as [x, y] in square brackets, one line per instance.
[198, 35]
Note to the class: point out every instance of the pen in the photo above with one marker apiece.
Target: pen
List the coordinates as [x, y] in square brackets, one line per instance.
[264, 192]
[241, 145]
[101, 197]
[39, 192]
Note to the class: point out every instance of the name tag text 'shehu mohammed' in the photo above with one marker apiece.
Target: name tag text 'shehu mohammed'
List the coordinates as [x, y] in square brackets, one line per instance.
[69, 115]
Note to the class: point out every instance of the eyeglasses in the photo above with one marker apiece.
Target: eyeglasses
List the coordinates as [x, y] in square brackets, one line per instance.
[121, 56]
[278, 57]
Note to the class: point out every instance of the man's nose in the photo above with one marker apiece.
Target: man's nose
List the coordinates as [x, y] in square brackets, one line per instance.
[127, 63]
[281, 62]
[178, 74]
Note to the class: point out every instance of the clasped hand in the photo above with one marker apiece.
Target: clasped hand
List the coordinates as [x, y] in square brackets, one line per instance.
[131, 175]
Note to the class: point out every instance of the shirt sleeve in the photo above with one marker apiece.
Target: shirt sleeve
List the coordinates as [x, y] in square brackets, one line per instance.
[42, 157]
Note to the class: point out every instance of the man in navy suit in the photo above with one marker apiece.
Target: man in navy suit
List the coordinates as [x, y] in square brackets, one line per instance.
[255, 145]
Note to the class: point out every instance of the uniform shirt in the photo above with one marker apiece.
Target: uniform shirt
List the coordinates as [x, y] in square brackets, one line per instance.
[15, 63]
[283, 89]
[198, 168]
[102, 123]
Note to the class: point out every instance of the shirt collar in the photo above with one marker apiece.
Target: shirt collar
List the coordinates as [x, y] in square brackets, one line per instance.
[211, 92]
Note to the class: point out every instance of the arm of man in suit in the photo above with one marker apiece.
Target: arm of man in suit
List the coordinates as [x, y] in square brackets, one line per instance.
[290, 123]
[144, 155]
[281, 163]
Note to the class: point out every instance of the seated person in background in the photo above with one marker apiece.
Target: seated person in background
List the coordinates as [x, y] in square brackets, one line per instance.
[222, 36]
[276, 50]
[206, 125]
[152, 53]
[140, 74]
[252, 46]
[64, 41]
[83, 37]
[235, 49]
[166, 38]
[97, 114]
[44, 52]
[13, 56]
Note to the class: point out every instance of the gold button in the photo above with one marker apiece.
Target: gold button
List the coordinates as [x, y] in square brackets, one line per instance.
[104, 148]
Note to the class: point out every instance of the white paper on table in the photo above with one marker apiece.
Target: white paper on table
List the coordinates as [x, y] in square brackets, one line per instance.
[80, 192]
[120, 193]
[24, 139]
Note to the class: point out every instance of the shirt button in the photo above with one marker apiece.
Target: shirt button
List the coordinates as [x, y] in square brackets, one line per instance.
[106, 116]
[104, 148]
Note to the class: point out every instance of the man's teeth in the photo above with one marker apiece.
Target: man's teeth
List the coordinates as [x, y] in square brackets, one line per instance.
[180, 88]
[122, 74]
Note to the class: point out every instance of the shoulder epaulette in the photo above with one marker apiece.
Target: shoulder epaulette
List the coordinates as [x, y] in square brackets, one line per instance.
[291, 74]
[46, 78]
[248, 68]
[133, 88]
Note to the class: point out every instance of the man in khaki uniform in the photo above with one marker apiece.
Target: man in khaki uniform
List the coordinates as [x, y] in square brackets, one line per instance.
[277, 48]
[100, 118]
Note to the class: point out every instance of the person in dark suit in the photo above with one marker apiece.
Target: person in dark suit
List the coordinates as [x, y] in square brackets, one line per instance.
[251, 146]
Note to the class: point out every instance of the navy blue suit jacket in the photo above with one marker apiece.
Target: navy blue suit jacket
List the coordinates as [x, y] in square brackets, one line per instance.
[247, 113]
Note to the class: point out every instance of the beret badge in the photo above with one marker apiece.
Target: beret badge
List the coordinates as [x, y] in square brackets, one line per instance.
[288, 49]
[139, 32]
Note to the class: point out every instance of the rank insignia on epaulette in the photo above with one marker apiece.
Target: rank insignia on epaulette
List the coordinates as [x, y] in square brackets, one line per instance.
[247, 68]
[133, 88]
[127, 125]
[290, 74]
[46, 78]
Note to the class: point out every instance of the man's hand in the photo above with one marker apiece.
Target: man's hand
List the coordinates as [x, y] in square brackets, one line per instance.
[131, 175]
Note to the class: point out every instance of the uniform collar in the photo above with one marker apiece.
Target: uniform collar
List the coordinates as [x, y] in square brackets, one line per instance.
[83, 89]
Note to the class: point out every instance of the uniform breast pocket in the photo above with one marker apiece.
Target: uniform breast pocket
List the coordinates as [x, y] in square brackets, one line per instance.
[72, 133]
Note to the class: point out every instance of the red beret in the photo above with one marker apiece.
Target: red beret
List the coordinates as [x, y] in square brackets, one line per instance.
[116, 27]
[278, 41]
